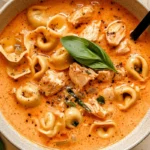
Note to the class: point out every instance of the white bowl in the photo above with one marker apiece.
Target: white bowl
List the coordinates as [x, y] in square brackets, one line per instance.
[7, 13]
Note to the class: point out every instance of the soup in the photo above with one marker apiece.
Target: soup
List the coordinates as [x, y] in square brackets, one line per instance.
[73, 77]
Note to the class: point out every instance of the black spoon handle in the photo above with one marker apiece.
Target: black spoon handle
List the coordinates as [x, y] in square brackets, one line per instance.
[141, 27]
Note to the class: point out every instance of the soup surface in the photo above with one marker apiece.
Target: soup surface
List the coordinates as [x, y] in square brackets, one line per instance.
[53, 96]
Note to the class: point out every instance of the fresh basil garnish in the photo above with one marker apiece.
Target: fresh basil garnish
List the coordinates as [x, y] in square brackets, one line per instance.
[70, 104]
[101, 100]
[87, 53]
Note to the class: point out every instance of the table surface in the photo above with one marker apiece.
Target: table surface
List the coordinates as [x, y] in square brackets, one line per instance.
[145, 145]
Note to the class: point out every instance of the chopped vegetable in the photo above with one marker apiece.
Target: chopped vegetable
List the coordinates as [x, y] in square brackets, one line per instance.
[87, 53]
[101, 100]
[70, 104]
[77, 100]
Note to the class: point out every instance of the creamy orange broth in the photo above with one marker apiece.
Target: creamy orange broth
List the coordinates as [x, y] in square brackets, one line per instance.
[21, 118]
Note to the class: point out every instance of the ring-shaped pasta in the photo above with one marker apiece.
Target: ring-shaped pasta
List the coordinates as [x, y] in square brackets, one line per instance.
[115, 32]
[137, 62]
[126, 96]
[60, 60]
[37, 16]
[18, 70]
[39, 66]
[58, 24]
[73, 117]
[104, 129]
[28, 95]
[51, 124]
[12, 49]
[96, 109]
[42, 38]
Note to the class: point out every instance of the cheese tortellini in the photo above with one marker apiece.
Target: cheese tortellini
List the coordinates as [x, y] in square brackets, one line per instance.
[12, 49]
[116, 32]
[96, 109]
[28, 95]
[18, 70]
[41, 38]
[60, 60]
[39, 66]
[58, 24]
[73, 117]
[104, 129]
[37, 16]
[51, 124]
[126, 96]
[137, 67]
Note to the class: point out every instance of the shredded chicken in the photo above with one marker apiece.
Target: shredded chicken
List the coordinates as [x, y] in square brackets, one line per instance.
[52, 82]
[82, 15]
[80, 76]
[96, 109]
[123, 48]
[105, 76]
[92, 31]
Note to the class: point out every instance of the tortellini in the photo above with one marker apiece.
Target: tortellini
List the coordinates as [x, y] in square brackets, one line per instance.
[51, 124]
[18, 70]
[96, 109]
[116, 32]
[58, 24]
[137, 67]
[73, 117]
[12, 49]
[42, 38]
[28, 95]
[104, 129]
[126, 96]
[37, 16]
[52, 82]
[60, 60]
[39, 66]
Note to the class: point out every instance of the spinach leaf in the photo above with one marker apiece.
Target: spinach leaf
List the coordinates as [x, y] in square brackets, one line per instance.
[77, 100]
[101, 100]
[70, 104]
[87, 53]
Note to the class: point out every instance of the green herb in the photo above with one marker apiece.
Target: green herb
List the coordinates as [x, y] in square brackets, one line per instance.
[87, 53]
[101, 100]
[77, 100]
[75, 123]
[2, 146]
[70, 104]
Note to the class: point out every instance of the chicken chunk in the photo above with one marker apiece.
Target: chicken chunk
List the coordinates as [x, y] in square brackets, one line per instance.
[96, 109]
[105, 76]
[123, 48]
[108, 93]
[52, 82]
[80, 76]
[92, 31]
[82, 15]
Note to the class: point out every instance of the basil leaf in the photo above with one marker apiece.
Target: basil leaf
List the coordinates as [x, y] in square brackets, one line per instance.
[101, 100]
[2, 146]
[87, 53]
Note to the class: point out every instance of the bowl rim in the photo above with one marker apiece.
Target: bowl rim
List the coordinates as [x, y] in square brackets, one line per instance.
[21, 142]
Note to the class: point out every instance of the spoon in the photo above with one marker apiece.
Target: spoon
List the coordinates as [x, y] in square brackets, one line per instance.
[141, 27]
